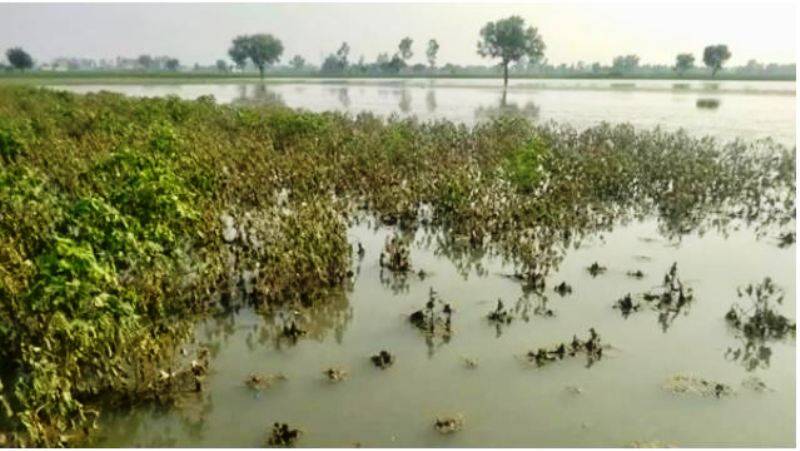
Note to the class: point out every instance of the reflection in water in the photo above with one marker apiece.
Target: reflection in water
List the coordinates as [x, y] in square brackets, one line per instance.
[430, 100]
[396, 281]
[750, 353]
[343, 94]
[246, 340]
[282, 325]
[528, 111]
[405, 101]
[708, 104]
[258, 94]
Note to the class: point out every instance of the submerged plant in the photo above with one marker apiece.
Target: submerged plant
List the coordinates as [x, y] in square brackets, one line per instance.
[334, 374]
[761, 321]
[283, 436]
[449, 424]
[435, 319]
[396, 254]
[383, 359]
[500, 314]
[595, 269]
[263, 381]
[592, 348]
[167, 211]
[563, 288]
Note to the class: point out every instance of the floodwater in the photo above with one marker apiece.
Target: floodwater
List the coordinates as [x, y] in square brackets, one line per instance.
[505, 401]
[726, 110]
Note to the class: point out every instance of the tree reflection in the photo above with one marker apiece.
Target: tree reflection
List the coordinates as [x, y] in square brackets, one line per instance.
[430, 100]
[507, 109]
[257, 94]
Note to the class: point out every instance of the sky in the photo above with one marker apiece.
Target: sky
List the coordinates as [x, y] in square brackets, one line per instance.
[593, 31]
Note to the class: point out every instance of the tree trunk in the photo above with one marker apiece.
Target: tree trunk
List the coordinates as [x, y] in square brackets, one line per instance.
[505, 74]
[261, 71]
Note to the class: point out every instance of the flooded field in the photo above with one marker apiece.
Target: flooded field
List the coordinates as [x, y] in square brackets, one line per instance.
[481, 374]
[726, 109]
[560, 288]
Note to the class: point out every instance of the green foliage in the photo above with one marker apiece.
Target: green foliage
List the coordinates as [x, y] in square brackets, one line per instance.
[431, 52]
[714, 56]
[509, 40]
[120, 219]
[525, 166]
[404, 48]
[684, 62]
[626, 63]
[12, 140]
[19, 59]
[261, 49]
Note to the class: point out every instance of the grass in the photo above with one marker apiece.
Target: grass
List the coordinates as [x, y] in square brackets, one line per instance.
[124, 220]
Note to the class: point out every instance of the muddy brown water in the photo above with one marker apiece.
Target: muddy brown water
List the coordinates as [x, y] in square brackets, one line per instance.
[743, 109]
[616, 401]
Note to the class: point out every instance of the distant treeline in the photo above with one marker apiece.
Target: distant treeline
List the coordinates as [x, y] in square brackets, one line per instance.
[519, 48]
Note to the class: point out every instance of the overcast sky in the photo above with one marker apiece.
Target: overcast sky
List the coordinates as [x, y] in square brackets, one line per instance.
[573, 32]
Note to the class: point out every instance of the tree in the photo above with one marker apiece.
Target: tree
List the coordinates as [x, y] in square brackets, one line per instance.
[172, 64]
[337, 63]
[433, 49]
[405, 48]
[239, 51]
[625, 64]
[222, 66]
[343, 53]
[683, 62]
[509, 40]
[145, 61]
[261, 49]
[19, 59]
[714, 56]
[298, 62]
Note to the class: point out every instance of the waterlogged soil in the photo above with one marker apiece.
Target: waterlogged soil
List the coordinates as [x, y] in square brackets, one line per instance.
[480, 375]
[726, 110]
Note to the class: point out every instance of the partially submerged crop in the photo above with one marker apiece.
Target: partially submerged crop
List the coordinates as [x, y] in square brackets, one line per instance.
[396, 254]
[761, 321]
[166, 211]
[591, 347]
[626, 305]
[335, 374]
[689, 384]
[669, 300]
[563, 288]
[283, 436]
[262, 381]
[595, 269]
[500, 314]
[435, 319]
[383, 359]
[449, 424]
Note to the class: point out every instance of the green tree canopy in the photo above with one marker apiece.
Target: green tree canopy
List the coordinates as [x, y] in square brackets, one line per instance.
[298, 62]
[509, 40]
[146, 61]
[433, 49]
[405, 48]
[172, 64]
[337, 63]
[19, 59]
[714, 56]
[625, 63]
[684, 62]
[261, 49]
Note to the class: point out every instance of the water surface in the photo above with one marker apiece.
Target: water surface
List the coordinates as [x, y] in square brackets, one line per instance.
[744, 109]
[505, 401]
